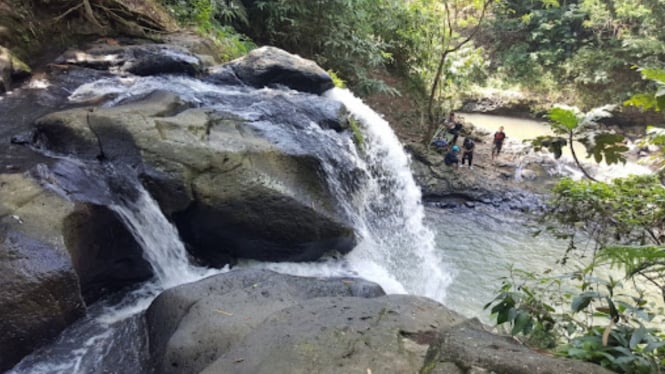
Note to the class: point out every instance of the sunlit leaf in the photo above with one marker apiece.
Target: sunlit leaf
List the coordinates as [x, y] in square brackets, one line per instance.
[564, 117]
[653, 74]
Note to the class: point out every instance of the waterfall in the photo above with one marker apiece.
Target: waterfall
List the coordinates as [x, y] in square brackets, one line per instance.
[112, 330]
[159, 239]
[388, 212]
[377, 193]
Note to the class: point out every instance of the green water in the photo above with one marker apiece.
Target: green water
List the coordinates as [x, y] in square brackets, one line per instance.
[480, 244]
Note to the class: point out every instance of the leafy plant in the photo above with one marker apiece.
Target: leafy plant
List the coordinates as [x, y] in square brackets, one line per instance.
[570, 125]
[652, 100]
[592, 324]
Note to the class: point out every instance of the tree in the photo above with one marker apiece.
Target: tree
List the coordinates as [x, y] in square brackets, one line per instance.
[108, 16]
[583, 47]
[458, 15]
[585, 314]
[651, 100]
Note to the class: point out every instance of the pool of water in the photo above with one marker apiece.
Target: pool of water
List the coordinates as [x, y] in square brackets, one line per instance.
[480, 244]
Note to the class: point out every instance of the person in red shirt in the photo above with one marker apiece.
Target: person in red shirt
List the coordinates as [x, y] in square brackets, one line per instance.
[499, 137]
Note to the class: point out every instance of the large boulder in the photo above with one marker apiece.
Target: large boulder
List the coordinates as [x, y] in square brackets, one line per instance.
[256, 321]
[469, 345]
[268, 66]
[40, 292]
[191, 326]
[55, 255]
[233, 191]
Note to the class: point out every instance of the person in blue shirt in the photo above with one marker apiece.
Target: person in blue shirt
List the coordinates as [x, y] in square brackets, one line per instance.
[451, 157]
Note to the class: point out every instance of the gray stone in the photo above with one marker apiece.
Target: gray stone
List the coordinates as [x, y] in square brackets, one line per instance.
[11, 68]
[142, 59]
[40, 293]
[389, 334]
[192, 325]
[267, 66]
[470, 346]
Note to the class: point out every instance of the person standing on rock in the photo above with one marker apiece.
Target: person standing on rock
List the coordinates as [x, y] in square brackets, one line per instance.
[499, 137]
[454, 127]
[467, 151]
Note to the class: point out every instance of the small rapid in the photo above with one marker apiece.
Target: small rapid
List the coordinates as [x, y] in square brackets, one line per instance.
[159, 239]
[114, 329]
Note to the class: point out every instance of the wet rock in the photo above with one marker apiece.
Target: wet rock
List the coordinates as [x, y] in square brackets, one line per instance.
[142, 59]
[40, 293]
[106, 256]
[257, 321]
[234, 191]
[501, 103]
[11, 69]
[54, 254]
[269, 66]
[223, 75]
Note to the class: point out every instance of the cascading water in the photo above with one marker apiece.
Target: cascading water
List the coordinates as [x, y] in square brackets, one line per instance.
[383, 201]
[159, 239]
[389, 213]
[112, 329]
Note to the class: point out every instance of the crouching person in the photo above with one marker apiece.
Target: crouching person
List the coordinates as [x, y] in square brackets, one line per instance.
[451, 157]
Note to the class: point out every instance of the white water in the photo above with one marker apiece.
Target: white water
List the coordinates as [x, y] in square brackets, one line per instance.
[390, 214]
[396, 249]
[159, 239]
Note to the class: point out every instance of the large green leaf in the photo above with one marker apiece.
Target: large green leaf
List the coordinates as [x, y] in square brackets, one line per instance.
[610, 147]
[563, 117]
[642, 100]
[582, 300]
[522, 324]
[554, 144]
[653, 74]
[638, 335]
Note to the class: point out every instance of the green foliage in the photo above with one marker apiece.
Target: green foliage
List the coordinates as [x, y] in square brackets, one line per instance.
[337, 81]
[357, 133]
[653, 100]
[344, 39]
[207, 14]
[583, 45]
[626, 211]
[520, 307]
[590, 315]
[554, 144]
[215, 19]
[582, 316]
